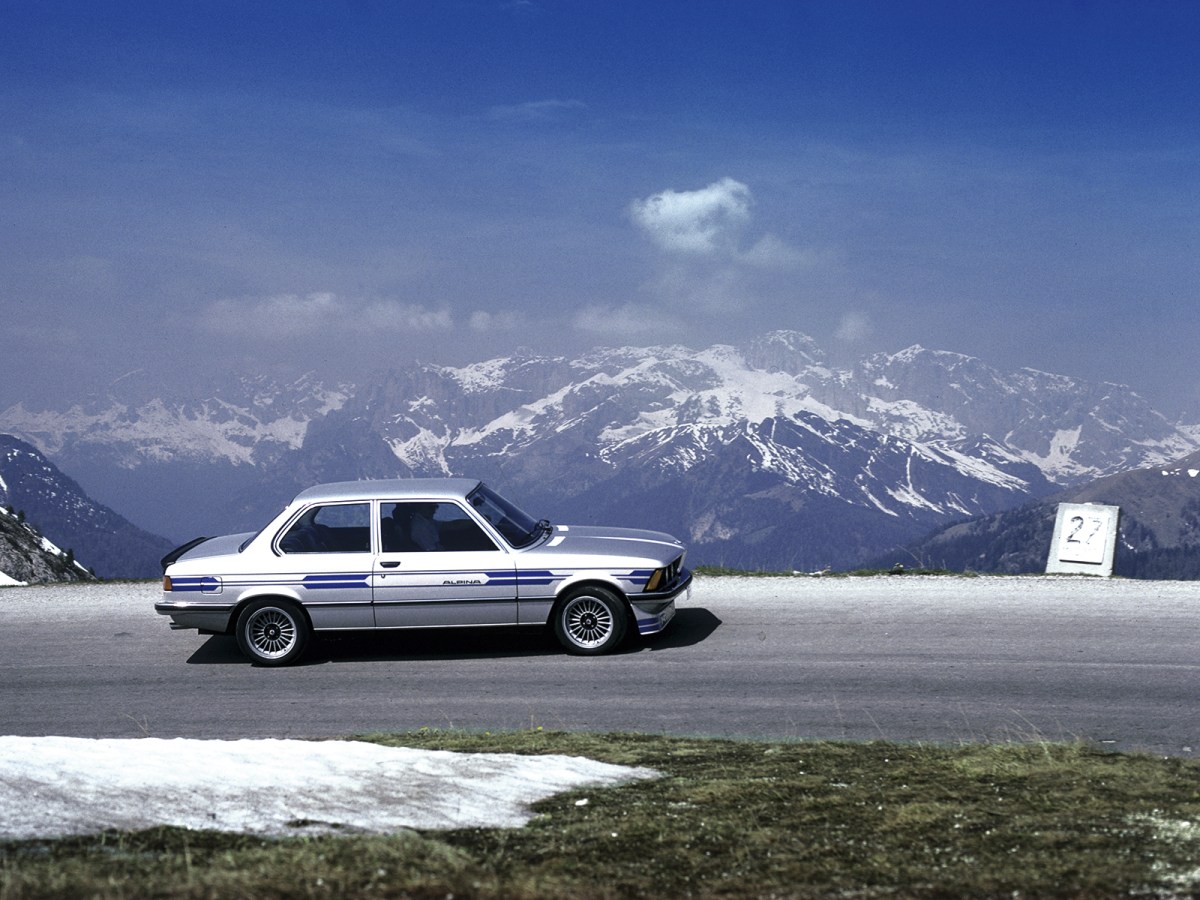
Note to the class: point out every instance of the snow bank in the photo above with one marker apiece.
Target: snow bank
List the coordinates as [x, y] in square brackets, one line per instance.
[56, 786]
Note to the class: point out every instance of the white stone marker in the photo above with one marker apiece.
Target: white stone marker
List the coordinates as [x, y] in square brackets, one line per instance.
[1085, 539]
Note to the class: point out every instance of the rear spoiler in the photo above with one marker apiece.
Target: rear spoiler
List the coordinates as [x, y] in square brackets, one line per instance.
[182, 549]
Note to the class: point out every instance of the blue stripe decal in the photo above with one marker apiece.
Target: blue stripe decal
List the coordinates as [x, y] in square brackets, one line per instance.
[652, 625]
[509, 578]
[336, 582]
[194, 584]
[636, 576]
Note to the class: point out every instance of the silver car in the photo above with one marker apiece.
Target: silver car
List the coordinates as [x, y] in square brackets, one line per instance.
[420, 553]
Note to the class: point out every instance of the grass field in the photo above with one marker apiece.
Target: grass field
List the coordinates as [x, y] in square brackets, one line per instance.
[728, 818]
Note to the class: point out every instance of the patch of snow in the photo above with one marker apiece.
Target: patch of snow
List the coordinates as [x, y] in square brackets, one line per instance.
[645, 423]
[424, 452]
[9, 581]
[911, 421]
[875, 502]
[976, 468]
[519, 421]
[1058, 459]
[481, 377]
[57, 786]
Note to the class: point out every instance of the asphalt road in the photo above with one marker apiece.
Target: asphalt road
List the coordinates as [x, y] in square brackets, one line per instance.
[896, 658]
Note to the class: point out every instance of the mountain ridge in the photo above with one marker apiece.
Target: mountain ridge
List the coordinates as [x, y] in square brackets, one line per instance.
[889, 447]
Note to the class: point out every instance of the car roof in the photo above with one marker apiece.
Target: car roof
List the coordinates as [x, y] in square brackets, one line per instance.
[390, 489]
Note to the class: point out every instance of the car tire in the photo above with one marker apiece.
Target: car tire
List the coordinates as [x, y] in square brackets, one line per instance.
[590, 621]
[272, 632]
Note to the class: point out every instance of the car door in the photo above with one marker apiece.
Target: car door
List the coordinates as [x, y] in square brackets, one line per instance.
[438, 566]
[326, 559]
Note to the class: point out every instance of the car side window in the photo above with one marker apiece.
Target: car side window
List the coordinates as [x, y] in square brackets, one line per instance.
[429, 527]
[336, 528]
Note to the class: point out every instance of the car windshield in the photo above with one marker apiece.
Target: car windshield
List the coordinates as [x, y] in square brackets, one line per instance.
[517, 527]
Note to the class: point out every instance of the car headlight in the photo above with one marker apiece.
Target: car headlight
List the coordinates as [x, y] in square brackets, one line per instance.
[660, 578]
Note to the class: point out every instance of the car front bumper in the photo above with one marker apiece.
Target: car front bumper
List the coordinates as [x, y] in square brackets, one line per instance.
[655, 609]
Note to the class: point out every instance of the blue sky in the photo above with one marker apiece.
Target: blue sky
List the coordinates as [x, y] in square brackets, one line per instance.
[198, 187]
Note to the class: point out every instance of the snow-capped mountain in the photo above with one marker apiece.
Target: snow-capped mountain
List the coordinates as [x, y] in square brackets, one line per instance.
[758, 455]
[28, 557]
[246, 421]
[1072, 430]
[37, 493]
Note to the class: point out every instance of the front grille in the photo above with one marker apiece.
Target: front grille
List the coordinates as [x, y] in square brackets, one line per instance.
[674, 569]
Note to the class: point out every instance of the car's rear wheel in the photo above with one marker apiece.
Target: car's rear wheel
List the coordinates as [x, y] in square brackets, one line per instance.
[591, 621]
[272, 632]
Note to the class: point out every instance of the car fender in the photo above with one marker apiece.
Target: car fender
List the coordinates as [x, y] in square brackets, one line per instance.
[276, 591]
[586, 579]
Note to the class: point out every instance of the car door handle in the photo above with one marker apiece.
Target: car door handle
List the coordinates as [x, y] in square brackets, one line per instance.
[390, 564]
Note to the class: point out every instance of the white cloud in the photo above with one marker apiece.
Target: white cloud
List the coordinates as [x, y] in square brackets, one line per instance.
[716, 290]
[282, 315]
[705, 221]
[489, 321]
[294, 315]
[629, 320]
[391, 315]
[709, 223]
[716, 263]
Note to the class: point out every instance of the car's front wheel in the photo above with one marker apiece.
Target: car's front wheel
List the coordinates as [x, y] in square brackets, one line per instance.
[591, 621]
[272, 632]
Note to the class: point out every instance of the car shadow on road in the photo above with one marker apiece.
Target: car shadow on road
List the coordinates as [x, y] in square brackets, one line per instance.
[217, 650]
[690, 627]
[382, 646]
[432, 644]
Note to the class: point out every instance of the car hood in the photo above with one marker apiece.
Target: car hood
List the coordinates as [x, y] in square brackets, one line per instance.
[612, 542]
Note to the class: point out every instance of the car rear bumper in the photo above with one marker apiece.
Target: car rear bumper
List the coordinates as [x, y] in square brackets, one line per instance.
[213, 617]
